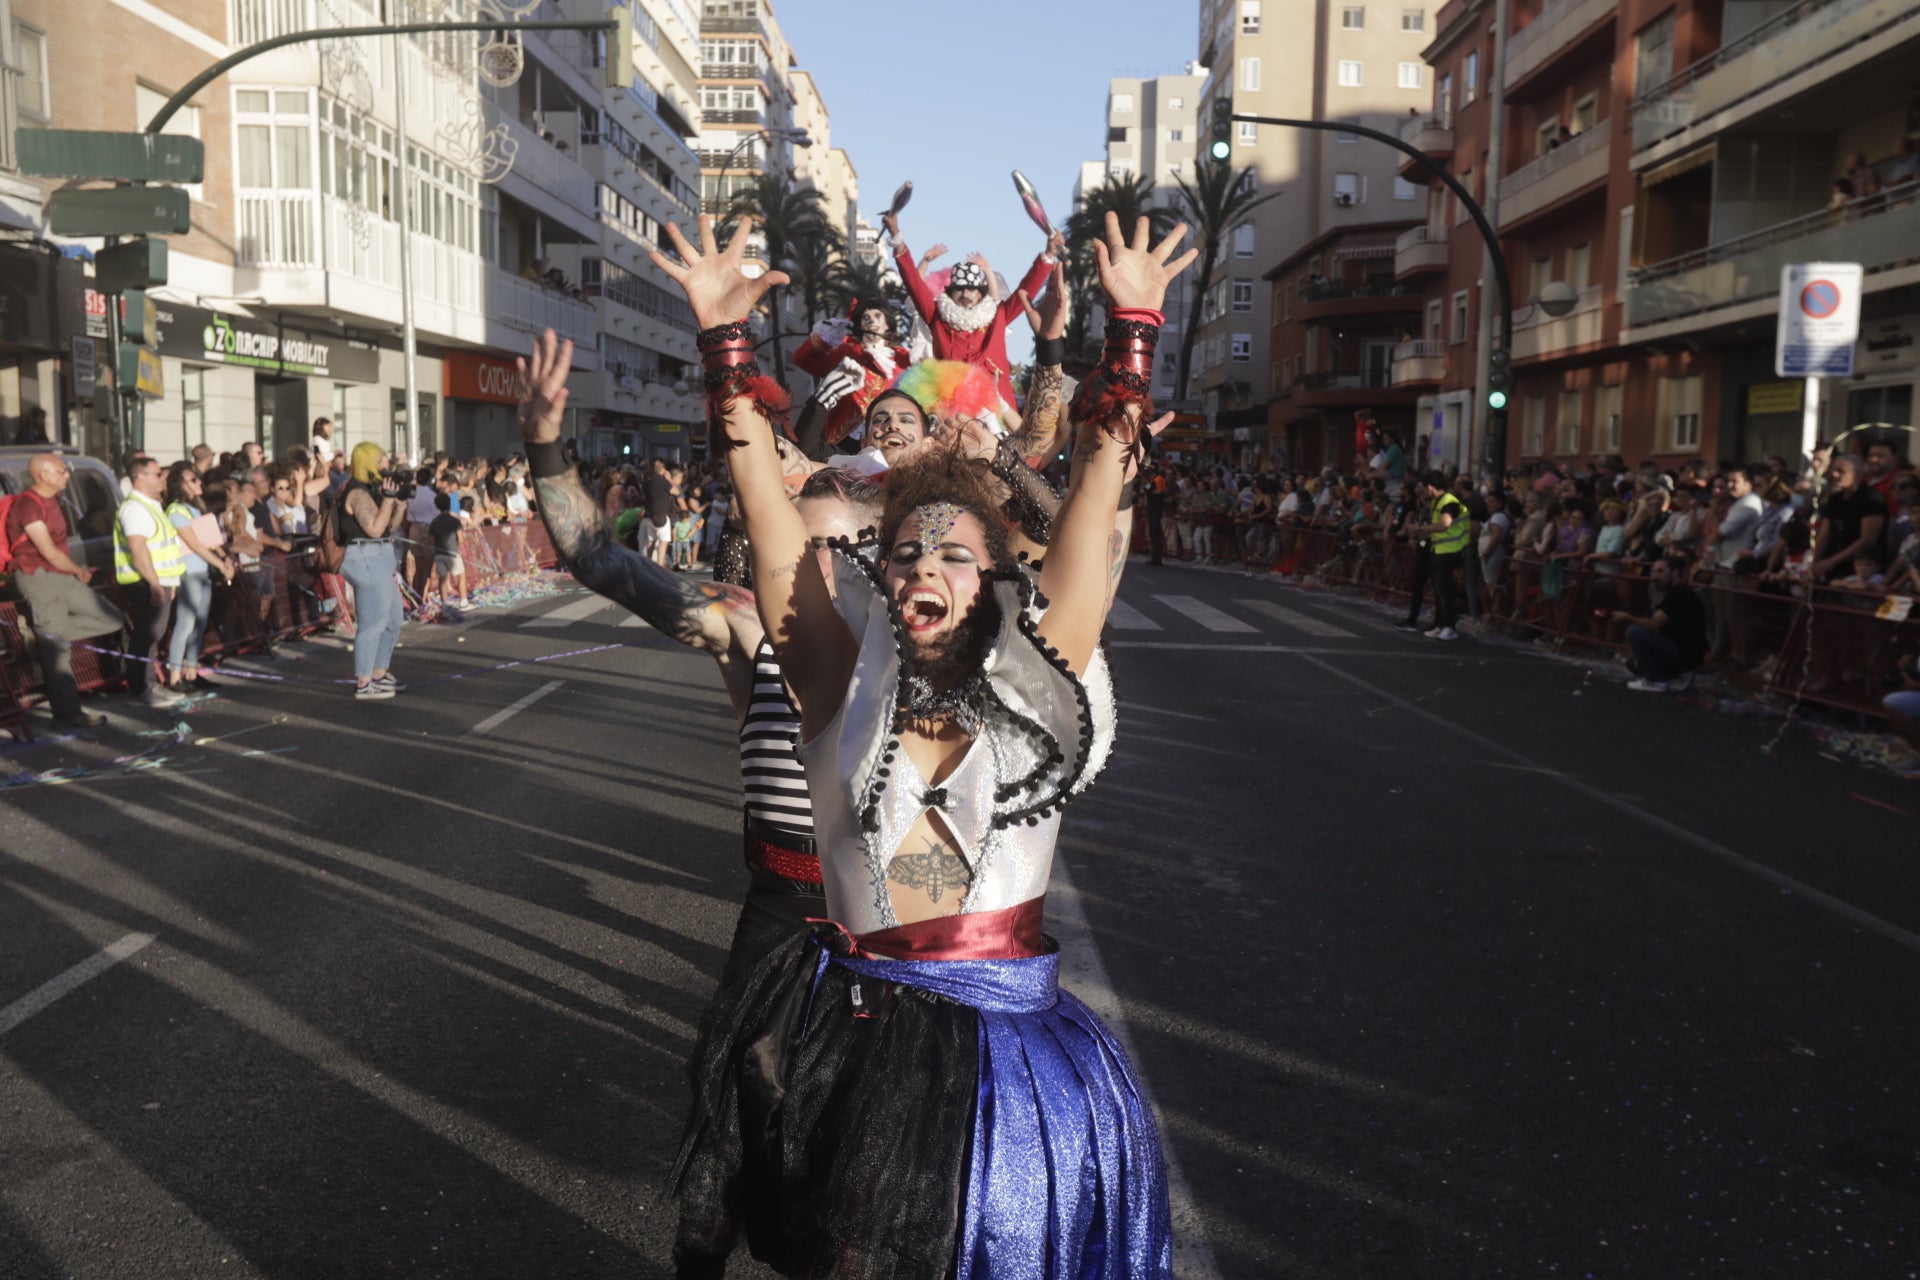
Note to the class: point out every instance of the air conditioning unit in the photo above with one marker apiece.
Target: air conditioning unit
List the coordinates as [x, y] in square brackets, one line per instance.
[1344, 198]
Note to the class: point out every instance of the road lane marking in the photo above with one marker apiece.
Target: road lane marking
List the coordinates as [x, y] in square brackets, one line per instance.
[633, 620]
[567, 614]
[1779, 879]
[86, 971]
[1124, 617]
[1204, 614]
[1297, 620]
[505, 714]
[1083, 972]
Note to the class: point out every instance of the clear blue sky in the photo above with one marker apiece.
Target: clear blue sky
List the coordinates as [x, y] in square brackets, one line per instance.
[955, 96]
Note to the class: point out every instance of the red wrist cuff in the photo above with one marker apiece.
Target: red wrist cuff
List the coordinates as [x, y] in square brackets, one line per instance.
[1142, 315]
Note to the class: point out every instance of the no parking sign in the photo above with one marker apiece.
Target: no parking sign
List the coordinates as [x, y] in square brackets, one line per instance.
[1819, 320]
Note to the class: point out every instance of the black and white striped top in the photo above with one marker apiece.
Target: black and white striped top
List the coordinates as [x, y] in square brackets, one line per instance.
[770, 769]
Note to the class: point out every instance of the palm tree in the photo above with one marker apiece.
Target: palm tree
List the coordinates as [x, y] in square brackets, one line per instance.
[818, 264]
[1129, 199]
[1216, 201]
[788, 215]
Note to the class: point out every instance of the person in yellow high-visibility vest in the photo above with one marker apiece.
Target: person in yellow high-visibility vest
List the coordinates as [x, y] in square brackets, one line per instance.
[1447, 532]
[148, 560]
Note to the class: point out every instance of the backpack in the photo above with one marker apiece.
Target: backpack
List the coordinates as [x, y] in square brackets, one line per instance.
[328, 552]
[7, 548]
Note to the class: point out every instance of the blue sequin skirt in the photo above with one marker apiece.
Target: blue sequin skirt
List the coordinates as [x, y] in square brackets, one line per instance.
[864, 1118]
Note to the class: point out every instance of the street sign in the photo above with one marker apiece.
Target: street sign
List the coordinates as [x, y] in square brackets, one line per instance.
[139, 319]
[138, 264]
[1819, 319]
[140, 371]
[82, 367]
[128, 157]
[120, 211]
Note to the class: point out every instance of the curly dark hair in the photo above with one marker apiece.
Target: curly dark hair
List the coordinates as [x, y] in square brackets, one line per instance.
[864, 494]
[946, 474]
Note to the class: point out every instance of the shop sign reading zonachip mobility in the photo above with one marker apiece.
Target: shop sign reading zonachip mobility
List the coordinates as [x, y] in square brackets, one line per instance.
[212, 337]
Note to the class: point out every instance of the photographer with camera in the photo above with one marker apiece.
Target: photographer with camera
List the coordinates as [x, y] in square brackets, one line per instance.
[373, 511]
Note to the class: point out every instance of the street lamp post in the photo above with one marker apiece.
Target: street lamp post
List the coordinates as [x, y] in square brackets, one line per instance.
[793, 137]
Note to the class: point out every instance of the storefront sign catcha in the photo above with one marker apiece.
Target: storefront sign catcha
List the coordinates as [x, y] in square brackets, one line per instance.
[468, 375]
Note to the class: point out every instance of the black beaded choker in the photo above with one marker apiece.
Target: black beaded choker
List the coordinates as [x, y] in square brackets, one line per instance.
[964, 704]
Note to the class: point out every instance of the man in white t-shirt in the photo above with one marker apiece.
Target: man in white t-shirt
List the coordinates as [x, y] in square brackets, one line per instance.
[323, 440]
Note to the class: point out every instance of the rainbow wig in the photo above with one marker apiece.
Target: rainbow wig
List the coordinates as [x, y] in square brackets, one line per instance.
[954, 390]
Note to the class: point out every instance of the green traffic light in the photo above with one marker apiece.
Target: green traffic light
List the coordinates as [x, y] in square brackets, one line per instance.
[1222, 149]
[1496, 400]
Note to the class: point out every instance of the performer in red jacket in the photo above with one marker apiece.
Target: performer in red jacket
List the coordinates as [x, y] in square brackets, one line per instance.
[869, 358]
[966, 323]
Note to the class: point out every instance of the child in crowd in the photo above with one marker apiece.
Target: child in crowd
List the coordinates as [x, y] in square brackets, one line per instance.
[1867, 574]
[449, 571]
[1611, 543]
[1792, 559]
[683, 529]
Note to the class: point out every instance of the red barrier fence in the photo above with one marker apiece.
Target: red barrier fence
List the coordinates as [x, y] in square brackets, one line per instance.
[1825, 646]
[280, 598]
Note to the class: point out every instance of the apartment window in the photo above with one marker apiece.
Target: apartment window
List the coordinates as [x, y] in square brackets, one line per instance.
[1243, 240]
[1546, 135]
[339, 415]
[1653, 54]
[193, 405]
[1249, 17]
[1242, 348]
[1470, 77]
[1243, 295]
[1434, 318]
[1347, 189]
[1412, 74]
[1460, 309]
[1353, 17]
[1539, 275]
[1443, 95]
[1404, 190]
[1250, 74]
[1286, 301]
[1580, 266]
[1176, 135]
[1533, 426]
[1351, 76]
[1459, 208]
[1413, 19]
[1175, 103]
[1173, 168]
[1586, 113]
[1678, 414]
[1122, 102]
[1249, 133]
[1606, 419]
[275, 146]
[33, 92]
[1567, 428]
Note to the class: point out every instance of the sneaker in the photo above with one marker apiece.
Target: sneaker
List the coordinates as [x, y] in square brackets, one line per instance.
[372, 692]
[79, 720]
[1433, 633]
[1644, 685]
[160, 697]
[389, 682]
[1444, 633]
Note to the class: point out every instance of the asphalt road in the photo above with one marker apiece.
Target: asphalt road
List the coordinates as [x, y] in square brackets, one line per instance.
[1439, 960]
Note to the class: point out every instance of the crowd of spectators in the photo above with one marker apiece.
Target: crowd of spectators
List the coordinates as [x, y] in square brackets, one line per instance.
[1840, 524]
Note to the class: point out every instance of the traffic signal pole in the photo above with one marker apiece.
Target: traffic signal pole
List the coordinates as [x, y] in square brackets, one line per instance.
[1494, 457]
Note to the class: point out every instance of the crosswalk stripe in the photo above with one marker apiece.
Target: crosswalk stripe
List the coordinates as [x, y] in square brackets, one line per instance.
[1204, 614]
[1297, 620]
[567, 614]
[633, 620]
[1124, 617]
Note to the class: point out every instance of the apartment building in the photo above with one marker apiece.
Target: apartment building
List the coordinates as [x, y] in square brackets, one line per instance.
[1153, 132]
[1356, 60]
[746, 97]
[529, 201]
[821, 165]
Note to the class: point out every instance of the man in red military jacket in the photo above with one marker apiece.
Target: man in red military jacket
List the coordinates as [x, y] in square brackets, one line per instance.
[868, 358]
[966, 323]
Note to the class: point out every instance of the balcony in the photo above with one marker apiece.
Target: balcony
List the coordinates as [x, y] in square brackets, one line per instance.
[1806, 45]
[1334, 299]
[1356, 390]
[1554, 30]
[1563, 172]
[757, 119]
[1879, 234]
[1431, 134]
[1420, 363]
[1421, 250]
[712, 26]
[733, 71]
[1537, 335]
[527, 307]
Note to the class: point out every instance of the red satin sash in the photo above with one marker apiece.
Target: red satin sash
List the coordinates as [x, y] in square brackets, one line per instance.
[1011, 933]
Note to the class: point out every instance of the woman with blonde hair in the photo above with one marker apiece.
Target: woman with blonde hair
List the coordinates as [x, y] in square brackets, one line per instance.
[371, 513]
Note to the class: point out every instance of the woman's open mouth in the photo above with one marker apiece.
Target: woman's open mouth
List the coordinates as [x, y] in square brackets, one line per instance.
[923, 610]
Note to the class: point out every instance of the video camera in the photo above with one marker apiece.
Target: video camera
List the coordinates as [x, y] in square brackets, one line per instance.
[401, 481]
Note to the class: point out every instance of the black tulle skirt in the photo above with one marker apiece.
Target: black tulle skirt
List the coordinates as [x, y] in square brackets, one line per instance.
[831, 1134]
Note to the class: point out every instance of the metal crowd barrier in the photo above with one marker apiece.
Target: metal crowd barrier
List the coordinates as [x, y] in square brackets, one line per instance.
[281, 598]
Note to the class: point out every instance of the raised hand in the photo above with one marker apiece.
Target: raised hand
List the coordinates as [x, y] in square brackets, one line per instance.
[1136, 275]
[1049, 319]
[717, 287]
[932, 256]
[540, 381]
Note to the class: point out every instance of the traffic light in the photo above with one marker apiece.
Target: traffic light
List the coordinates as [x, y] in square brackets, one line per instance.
[1499, 377]
[620, 48]
[1220, 147]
